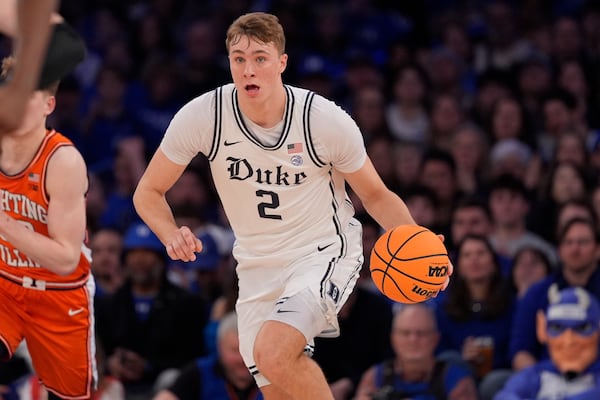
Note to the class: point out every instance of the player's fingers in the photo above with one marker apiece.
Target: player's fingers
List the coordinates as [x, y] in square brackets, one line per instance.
[442, 237]
[446, 283]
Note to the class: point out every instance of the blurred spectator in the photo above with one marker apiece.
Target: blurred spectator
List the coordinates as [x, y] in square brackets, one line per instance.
[202, 276]
[564, 182]
[578, 250]
[534, 79]
[573, 77]
[129, 164]
[414, 372]
[492, 84]
[469, 149]
[421, 202]
[380, 152]
[505, 48]
[158, 100]
[509, 203]
[438, 173]
[475, 312]
[407, 158]
[570, 209]
[558, 108]
[148, 325]
[107, 246]
[220, 377]
[107, 122]
[368, 110]
[202, 66]
[530, 265]
[569, 327]
[446, 116]
[406, 115]
[509, 120]
[345, 358]
[571, 147]
[567, 39]
[95, 201]
[470, 216]
[513, 157]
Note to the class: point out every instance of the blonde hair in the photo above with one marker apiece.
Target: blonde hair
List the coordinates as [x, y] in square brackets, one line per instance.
[259, 26]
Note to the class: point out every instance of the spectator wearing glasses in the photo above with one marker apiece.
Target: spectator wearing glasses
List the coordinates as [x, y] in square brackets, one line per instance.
[415, 372]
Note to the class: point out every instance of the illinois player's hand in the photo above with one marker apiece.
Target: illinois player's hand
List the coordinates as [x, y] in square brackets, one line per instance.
[183, 245]
[450, 267]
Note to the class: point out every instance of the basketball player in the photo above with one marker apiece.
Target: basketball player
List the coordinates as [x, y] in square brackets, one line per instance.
[45, 287]
[280, 157]
[28, 22]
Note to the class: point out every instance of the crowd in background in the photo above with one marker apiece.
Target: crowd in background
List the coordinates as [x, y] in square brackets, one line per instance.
[482, 115]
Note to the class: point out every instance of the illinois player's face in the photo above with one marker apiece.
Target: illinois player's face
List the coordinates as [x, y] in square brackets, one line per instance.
[256, 67]
[40, 105]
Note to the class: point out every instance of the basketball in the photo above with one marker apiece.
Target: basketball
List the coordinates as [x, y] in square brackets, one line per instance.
[409, 264]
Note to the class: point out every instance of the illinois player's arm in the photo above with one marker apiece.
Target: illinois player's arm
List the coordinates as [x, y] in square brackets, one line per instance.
[66, 184]
[151, 205]
[28, 23]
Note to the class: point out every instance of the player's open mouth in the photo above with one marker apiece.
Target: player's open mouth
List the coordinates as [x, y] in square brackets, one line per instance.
[252, 89]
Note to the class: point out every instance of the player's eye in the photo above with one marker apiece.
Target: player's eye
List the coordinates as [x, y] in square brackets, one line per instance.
[261, 59]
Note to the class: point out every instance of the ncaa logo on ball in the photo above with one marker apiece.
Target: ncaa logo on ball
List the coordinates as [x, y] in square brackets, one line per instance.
[438, 271]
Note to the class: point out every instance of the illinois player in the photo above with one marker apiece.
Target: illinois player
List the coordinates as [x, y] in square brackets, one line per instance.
[45, 287]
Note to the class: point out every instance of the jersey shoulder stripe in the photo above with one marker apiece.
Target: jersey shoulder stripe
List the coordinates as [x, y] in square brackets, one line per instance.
[312, 153]
[218, 123]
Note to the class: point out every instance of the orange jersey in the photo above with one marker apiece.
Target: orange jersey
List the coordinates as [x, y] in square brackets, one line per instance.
[24, 198]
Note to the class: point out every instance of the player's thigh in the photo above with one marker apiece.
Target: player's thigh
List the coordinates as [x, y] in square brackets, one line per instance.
[11, 316]
[61, 341]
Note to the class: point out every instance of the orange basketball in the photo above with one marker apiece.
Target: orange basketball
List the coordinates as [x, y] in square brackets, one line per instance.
[409, 264]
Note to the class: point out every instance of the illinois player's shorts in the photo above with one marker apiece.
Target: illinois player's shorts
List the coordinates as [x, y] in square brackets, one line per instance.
[305, 293]
[57, 325]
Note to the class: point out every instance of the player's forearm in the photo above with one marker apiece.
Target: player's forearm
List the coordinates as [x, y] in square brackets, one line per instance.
[31, 40]
[388, 210]
[62, 259]
[154, 210]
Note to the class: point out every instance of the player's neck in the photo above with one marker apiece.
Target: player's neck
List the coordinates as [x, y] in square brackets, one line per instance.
[268, 112]
[17, 151]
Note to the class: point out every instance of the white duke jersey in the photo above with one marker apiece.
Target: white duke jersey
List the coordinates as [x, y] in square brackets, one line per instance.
[282, 189]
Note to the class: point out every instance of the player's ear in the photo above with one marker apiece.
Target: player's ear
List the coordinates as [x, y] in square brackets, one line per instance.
[541, 327]
[283, 59]
[50, 104]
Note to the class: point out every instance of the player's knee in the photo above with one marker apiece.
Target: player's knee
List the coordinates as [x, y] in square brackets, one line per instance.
[275, 351]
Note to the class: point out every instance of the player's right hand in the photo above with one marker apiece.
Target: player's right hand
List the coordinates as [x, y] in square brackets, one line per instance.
[183, 245]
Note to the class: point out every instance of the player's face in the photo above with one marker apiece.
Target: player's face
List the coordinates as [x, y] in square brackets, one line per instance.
[256, 67]
[40, 105]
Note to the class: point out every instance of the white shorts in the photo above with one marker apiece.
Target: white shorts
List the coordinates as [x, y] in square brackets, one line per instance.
[306, 293]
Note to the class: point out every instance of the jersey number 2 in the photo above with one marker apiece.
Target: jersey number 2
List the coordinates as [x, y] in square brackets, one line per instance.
[274, 203]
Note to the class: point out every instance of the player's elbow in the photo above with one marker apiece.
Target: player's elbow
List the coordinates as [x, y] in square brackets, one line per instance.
[67, 264]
